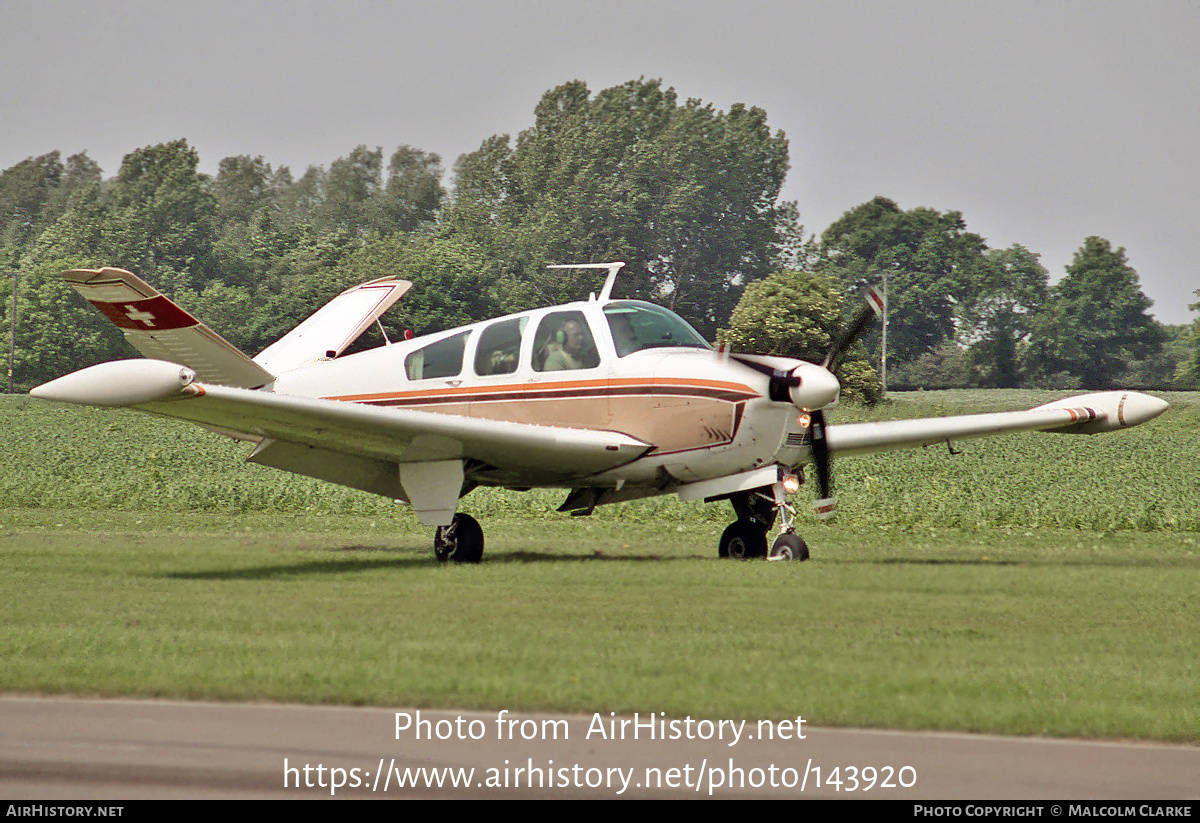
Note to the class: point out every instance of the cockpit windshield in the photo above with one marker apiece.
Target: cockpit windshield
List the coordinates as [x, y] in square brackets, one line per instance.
[636, 325]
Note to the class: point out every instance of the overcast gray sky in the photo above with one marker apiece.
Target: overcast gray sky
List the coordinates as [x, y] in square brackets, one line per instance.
[1042, 122]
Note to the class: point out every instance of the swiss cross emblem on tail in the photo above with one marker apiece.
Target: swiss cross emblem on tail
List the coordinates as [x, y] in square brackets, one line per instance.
[138, 316]
[150, 314]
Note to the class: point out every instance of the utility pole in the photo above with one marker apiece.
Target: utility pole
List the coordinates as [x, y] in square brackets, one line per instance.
[12, 333]
[883, 357]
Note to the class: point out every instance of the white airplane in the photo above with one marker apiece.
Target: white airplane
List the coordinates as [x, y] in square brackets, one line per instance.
[611, 400]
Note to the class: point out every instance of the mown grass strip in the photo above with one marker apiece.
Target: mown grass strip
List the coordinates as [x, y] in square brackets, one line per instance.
[1059, 634]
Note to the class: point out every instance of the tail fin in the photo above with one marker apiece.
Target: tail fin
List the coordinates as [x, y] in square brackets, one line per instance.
[334, 326]
[161, 330]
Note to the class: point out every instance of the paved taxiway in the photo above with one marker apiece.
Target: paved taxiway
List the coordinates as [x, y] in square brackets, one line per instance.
[68, 748]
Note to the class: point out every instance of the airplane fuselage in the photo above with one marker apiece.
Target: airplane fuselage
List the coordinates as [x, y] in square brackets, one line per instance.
[708, 416]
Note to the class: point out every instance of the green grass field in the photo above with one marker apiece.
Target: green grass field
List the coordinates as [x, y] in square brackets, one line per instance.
[1035, 584]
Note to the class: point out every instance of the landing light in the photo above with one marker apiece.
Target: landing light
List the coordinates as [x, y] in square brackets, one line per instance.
[791, 483]
[804, 420]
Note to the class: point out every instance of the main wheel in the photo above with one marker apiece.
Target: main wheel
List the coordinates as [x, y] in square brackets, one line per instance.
[461, 541]
[756, 507]
[789, 546]
[743, 540]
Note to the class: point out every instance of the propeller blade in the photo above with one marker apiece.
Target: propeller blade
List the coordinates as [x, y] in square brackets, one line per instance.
[826, 505]
[873, 308]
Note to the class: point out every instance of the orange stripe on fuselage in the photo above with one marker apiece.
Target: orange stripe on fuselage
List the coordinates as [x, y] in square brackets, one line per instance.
[675, 414]
[649, 385]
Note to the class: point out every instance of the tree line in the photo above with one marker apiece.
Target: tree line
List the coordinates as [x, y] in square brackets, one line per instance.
[962, 314]
[687, 194]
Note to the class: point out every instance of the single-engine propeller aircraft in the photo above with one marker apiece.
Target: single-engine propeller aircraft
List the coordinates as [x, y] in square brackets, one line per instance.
[608, 399]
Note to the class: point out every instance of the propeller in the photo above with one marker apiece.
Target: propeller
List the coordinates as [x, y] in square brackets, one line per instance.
[826, 505]
[872, 309]
[811, 388]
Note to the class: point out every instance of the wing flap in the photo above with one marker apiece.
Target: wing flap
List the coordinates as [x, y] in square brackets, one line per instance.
[161, 330]
[365, 473]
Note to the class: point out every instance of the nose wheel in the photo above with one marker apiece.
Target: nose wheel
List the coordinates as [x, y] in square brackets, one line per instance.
[788, 546]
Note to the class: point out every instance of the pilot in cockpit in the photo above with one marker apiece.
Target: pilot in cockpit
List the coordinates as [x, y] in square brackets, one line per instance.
[624, 337]
[570, 352]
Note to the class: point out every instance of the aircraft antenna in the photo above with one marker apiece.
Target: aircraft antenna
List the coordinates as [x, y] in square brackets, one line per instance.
[612, 268]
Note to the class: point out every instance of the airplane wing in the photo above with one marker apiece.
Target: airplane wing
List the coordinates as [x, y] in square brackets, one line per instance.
[1083, 414]
[399, 453]
[161, 330]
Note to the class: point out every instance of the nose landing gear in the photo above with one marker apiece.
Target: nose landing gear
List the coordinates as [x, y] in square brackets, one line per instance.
[757, 511]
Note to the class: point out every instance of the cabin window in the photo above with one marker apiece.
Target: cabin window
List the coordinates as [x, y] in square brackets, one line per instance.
[636, 325]
[441, 359]
[564, 341]
[499, 346]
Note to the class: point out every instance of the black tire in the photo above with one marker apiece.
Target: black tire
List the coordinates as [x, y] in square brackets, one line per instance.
[742, 541]
[461, 541]
[789, 546]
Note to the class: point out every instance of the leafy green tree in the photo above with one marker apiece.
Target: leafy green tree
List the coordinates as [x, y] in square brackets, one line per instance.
[299, 200]
[155, 219]
[413, 196]
[800, 314]
[352, 197]
[351, 189]
[35, 193]
[162, 217]
[684, 193]
[1164, 368]
[482, 180]
[1095, 320]
[946, 367]
[243, 185]
[996, 321]
[300, 273]
[1188, 372]
[231, 311]
[57, 331]
[80, 181]
[25, 191]
[930, 260]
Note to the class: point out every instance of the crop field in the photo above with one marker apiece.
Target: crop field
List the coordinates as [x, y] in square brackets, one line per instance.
[1033, 584]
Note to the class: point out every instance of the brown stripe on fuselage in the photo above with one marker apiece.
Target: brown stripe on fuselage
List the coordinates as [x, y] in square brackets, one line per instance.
[558, 389]
[673, 414]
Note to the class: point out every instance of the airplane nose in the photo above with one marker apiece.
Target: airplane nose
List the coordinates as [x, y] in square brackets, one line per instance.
[818, 387]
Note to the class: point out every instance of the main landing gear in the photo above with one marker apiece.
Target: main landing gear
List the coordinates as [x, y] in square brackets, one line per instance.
[756, 513]
[461, 541]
